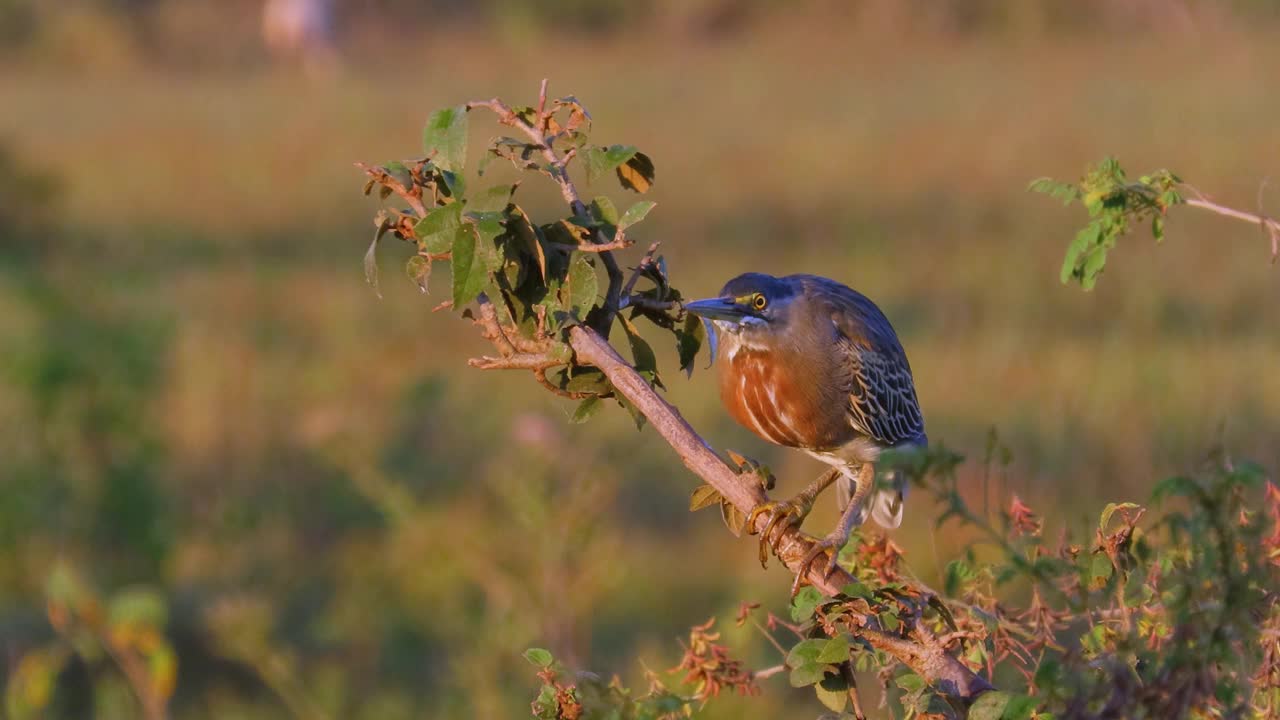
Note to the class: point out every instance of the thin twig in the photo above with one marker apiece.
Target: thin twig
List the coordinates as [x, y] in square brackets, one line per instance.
[1269, 225]
[383, 177]
[768, 672]
[621, 242]
[639, 269]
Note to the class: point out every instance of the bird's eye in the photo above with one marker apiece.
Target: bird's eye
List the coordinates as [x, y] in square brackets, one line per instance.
[759, 301]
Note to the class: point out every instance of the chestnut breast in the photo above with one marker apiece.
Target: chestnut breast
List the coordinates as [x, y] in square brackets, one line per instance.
[780, 397]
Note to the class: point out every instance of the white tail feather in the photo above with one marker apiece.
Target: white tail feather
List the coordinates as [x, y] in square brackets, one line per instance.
[886, 504]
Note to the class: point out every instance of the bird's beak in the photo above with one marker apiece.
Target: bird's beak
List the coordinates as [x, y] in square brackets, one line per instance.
[717, 309]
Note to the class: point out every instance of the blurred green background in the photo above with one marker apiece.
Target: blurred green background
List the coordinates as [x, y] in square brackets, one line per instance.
[202, 403]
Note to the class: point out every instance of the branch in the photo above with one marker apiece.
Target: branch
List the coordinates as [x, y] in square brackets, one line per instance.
[382, 176]
[1269, 225]
[920, 651]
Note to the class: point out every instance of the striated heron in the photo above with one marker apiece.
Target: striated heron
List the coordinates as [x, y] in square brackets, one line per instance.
[808, 363]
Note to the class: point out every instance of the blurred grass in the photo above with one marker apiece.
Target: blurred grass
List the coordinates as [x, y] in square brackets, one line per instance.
[201, 393]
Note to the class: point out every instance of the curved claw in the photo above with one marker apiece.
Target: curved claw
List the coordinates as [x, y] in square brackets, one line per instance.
[828, 543]
[781, 514]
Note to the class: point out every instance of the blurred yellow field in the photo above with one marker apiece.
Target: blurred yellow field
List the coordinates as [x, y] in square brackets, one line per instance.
[201, 394]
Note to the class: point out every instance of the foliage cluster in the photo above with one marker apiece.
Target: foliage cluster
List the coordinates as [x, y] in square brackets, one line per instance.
[1177, 616]
[532, 281]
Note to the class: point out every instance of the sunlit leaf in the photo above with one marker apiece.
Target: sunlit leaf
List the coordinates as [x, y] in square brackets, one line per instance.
[470, 266]
[804, 603]
[603, 210]
[833, 692]
[446, 136]
[989, 706]
[538, 657]
[583, 285]
[494, 199]
[437, 231]
[703, 496]
[586, 410]
[635, 214]
[808, 674]
[400, 172]
[601, 160]
[636, 173]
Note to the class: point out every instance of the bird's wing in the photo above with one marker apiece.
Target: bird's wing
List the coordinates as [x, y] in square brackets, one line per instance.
[883, 398]
[883, 404]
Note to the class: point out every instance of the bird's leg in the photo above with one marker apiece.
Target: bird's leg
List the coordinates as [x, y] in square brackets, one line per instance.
[787, 513]
[835, 540]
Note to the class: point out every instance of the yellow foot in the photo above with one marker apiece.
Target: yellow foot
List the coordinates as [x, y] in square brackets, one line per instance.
[782, 515]
[832, 544]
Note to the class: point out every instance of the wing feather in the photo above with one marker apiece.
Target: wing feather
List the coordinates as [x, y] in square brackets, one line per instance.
[882, 394]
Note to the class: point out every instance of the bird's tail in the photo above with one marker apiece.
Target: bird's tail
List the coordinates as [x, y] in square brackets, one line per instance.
[885, 503]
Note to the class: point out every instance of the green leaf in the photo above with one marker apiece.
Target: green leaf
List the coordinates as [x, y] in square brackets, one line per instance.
[446, 136]
[539, 657]
[639, 419]
[805, 652]
[733, 518]
[635, 214]
[808, 674]
[1176, 486]
[1084, 239]
[583, 285]
[636, 173]
[601, 161]
[437, 231]
[990, 705]
[1110, 510]
[587, 380]
[470, 274]
[1100, 570]
[856, 589]
[910, 682]
[418, 269]
[603, 210]
[494, 199]
[1157, 227]
[958, 573]
[138, 606]
[530, 238]
[689, 341]
[1020, 707]
[804, 603]
[889, 621]
[703, 496]
[834, 650]
[833, 692]
[400, 172]
[642, 355]
[586, 409]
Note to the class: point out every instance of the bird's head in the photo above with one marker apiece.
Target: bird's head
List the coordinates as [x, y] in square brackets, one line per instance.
[749, 304]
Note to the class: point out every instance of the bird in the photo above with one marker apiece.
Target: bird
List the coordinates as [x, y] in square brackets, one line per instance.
[806, 362]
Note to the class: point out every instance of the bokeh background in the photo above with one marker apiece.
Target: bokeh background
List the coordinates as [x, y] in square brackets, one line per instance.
[205, 411]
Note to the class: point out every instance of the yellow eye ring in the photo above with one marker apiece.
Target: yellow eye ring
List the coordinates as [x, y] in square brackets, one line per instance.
[759, 301]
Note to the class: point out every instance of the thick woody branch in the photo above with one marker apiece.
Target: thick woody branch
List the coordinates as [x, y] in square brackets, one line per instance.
[920, 650]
